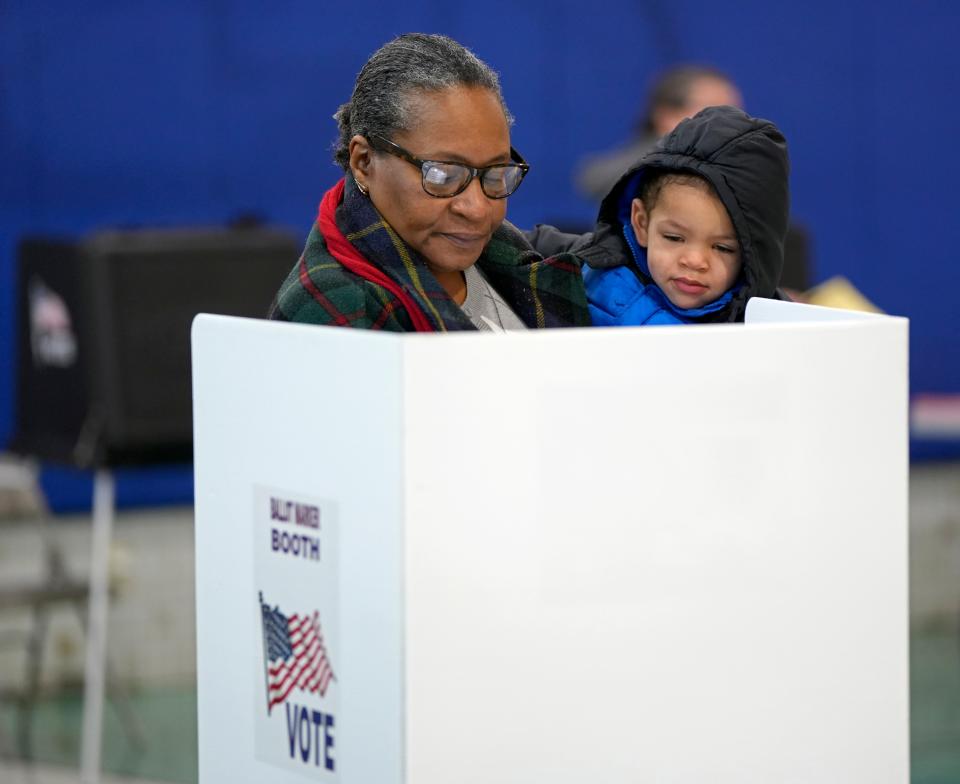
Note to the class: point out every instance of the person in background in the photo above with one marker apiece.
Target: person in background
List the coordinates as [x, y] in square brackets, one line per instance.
[678, 93]
[693, 231]
[413, 237]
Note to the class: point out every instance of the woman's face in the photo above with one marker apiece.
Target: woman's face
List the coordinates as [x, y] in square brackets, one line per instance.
[461, 125]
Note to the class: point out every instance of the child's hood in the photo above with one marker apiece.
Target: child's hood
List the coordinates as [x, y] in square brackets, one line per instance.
[745, 159]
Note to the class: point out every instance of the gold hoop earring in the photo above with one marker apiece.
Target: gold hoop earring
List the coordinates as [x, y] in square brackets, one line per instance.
[362, 190]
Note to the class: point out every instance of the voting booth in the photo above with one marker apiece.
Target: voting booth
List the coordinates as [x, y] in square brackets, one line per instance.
[672, 554]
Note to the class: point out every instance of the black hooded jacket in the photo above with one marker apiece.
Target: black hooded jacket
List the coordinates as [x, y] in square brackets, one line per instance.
[745, 160]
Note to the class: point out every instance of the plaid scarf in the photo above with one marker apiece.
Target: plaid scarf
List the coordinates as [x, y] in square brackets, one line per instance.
[357, 271]
[341, 249]
[433, 309]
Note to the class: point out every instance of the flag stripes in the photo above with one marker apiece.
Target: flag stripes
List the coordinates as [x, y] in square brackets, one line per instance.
[297, 657]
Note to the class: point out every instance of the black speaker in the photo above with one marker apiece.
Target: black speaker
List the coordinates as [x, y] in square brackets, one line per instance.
[103, 374]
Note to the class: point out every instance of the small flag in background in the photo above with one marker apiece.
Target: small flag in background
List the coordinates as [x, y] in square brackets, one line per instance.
[295, 654]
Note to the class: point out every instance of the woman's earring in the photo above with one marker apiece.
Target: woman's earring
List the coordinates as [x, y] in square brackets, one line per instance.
[362, 190]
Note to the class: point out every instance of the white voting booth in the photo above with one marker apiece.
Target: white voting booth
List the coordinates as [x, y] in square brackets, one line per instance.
[673, 554]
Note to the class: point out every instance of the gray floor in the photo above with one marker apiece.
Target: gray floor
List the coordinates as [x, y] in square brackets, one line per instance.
[38, 773]
[167, 752]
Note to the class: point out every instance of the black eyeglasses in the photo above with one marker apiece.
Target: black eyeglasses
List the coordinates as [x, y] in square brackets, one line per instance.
[445, 179]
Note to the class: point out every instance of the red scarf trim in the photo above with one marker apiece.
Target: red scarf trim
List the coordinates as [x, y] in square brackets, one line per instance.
[341, 249]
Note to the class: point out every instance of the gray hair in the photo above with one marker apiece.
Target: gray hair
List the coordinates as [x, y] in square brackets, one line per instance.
[409, 64]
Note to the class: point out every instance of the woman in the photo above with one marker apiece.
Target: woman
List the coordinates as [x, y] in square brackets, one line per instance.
[413, 238]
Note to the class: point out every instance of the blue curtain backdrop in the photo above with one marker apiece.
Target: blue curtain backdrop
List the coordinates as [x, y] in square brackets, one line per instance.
[190, 113]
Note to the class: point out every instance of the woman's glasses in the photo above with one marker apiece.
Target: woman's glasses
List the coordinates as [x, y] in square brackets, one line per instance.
[444, 179]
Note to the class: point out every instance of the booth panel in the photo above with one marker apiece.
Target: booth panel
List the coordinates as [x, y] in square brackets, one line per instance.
[672, 554]
[298, 530]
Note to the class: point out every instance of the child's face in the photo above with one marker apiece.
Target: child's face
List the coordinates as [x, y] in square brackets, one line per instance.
[692, 249]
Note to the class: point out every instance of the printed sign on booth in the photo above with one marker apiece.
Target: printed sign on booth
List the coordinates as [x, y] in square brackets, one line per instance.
[297, 606]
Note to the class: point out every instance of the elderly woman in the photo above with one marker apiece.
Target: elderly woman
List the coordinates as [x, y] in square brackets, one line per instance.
[413, 237]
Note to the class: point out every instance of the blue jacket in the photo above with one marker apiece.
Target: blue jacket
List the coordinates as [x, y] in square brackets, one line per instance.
[616, 297]
[619, 296]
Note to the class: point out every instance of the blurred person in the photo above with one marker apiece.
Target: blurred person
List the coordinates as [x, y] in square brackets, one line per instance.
[693, 231]
[676, 94]
[413, 237]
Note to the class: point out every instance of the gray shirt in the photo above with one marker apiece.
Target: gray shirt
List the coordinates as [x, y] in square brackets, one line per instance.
[483, 301]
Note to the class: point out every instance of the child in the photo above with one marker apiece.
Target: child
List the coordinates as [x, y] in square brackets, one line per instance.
[693, 231]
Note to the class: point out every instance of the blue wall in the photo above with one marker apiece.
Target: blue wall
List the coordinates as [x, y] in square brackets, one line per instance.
[185, 113]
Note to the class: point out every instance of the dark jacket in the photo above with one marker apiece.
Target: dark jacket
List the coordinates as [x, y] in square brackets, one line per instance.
[745, 160]
[321, 290]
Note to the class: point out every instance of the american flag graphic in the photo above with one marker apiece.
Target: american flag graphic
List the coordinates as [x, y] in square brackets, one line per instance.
[294, 653]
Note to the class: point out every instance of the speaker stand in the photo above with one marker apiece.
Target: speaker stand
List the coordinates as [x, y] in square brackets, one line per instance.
[94, 681]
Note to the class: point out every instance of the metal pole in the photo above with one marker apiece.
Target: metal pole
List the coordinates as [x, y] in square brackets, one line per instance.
[95, 671]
